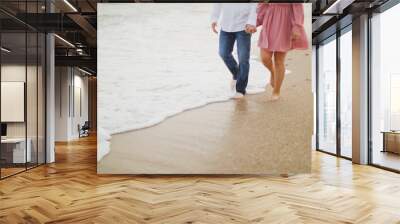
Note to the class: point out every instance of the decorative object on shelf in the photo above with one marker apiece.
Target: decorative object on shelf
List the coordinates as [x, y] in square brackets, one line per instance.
[391, 141]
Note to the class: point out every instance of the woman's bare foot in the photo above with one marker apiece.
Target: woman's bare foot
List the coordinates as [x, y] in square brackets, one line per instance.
[275, 97]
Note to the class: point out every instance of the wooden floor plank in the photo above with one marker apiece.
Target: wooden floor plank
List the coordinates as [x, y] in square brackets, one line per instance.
[70, 191]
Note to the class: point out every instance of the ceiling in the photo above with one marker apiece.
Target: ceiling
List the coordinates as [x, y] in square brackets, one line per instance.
[74, 22]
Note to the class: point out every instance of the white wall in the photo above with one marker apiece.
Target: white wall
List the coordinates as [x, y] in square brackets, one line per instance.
[17, 73]
[62, 81]
[80, 109]
[12, 73]
[70, 84]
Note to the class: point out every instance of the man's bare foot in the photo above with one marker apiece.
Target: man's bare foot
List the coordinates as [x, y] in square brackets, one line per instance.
[238, 96]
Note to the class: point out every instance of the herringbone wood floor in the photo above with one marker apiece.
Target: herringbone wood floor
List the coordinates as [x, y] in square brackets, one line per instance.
[69, 191]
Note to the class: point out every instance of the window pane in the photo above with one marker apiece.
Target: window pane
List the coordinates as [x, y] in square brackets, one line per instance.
[13, 85]
[346, 93]
[386, 89]
[31, 100]
[327, 97]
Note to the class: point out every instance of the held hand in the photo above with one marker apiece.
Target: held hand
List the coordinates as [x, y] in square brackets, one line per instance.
[295, 35]
[250, 29]
[214, 27]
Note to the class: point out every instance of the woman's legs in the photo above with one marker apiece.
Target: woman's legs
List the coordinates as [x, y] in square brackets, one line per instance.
[279, 61]
[266, 59]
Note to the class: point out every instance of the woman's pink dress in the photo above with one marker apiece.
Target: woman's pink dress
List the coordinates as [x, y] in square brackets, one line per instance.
[279, 21]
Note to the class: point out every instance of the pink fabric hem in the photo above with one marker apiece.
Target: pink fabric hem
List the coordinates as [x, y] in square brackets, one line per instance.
[279, 21]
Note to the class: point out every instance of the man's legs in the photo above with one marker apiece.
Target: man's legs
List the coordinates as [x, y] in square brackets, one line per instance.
[243, 48]
[226, 42]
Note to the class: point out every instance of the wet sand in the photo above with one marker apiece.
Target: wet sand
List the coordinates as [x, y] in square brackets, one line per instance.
[250, 136]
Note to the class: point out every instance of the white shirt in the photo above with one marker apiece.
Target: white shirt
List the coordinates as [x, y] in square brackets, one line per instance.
[233, 17]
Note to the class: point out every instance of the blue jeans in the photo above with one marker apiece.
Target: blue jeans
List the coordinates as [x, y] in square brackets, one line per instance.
[240, 71]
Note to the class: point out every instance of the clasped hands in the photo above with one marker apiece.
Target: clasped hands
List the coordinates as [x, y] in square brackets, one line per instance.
[248, 29]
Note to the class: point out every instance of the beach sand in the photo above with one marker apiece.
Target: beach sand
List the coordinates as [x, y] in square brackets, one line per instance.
[250, 136]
